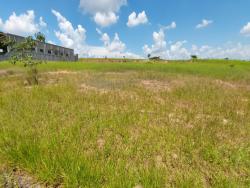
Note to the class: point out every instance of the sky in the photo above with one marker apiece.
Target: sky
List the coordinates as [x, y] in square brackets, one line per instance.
[171, 29]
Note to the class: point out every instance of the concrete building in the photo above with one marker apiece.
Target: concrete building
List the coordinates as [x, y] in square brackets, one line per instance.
[42, 51]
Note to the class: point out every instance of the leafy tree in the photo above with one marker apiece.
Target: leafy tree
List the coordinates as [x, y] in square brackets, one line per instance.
[21, 52]
[7, 42]
[149, 55]
[40, 37]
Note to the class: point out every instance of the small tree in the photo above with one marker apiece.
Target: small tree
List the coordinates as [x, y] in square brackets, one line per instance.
[149, 55]
[40, 37]
[8, 42]
[21, 52]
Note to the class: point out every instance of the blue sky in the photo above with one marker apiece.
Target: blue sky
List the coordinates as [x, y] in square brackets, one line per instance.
[172, 29]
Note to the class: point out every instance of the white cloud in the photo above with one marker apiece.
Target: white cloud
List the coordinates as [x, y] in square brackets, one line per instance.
[160, 47]
[76, 38]
[68, 36]
[91, 6]
[171, 26]
[1, 23]
[246, 30]
[115, 45]
[178, 50]
[105, 19]
[204, 24]
[228, 50]
[111, 48]
[42, 23]
[104, 37]
[134, 20]
[51, 42]
[23, 24]
[104, 12]
[100, 52]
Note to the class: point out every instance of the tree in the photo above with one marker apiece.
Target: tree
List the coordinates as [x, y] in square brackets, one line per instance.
[22, 52]
[40, 37]
[149, 55]
[7, 42]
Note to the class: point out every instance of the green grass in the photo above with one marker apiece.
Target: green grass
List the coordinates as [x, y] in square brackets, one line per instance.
[233, 70]
[127, 124]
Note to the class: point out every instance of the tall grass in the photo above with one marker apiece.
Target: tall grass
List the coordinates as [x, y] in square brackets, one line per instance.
[154, 125]
[213, 68]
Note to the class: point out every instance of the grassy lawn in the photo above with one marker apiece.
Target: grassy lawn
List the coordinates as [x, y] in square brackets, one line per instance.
[175, 124]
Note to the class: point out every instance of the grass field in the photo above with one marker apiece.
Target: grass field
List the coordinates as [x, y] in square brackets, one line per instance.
[176, 124]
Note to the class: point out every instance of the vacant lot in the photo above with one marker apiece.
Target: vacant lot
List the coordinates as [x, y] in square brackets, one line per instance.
[175, 124]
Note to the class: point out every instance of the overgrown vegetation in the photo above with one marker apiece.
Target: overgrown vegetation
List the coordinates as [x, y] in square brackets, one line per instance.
[40, 37]
[22, 52]
[126, 125]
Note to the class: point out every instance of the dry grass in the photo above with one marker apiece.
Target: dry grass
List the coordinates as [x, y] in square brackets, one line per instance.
[83, 128]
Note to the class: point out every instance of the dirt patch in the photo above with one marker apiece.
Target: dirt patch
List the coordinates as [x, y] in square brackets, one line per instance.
[118, 73]
[84, 87]
[53, 78]
[18, 178]
[61, 72]
[3, 73]
[226, 84]
[138, 186]
[160, 161]
[100, 143]
[230, 85]
[135, 133]
[121, 74]
[155, 85]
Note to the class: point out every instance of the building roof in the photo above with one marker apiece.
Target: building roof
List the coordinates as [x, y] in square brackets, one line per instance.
[2, 34]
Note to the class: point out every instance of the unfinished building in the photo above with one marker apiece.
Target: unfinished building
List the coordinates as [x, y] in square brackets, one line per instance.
[42, 51]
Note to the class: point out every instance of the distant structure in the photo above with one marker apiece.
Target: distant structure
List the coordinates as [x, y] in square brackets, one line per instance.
[42, 51]
[194, 58]
[156, 58]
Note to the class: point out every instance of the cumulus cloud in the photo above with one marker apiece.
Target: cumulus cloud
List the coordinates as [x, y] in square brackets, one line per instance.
[105, 19]
[178, 50]
[68, 36]
[115, 45]
[160, 48]
[246, 30]
[100, 52]
[91, 6]
[42, 23]
[76, 38]
[104, 12]
[23, 24]
[112, 48]
[228, 50]
[204, 23]
[171, 26]
[1, 23]
[51, 42]
[134, 20]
